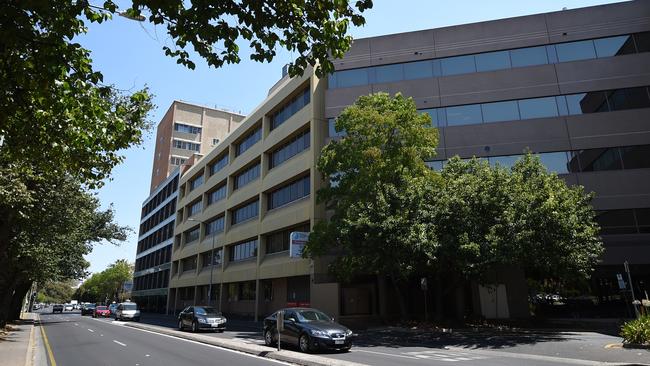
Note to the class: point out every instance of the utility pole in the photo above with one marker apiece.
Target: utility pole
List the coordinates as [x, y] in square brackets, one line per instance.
[629, 279]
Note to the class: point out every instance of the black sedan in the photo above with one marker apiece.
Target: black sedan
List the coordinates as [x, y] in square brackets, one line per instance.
[87, 309]
[309, 329]
[201, 317]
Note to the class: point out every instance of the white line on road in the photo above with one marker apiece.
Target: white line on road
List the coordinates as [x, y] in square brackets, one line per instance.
[91, 331]
[120, 343]
[527, 356]
[385, 354]
[76, 325]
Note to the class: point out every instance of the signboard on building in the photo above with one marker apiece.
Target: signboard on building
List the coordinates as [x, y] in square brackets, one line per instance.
[297, 241]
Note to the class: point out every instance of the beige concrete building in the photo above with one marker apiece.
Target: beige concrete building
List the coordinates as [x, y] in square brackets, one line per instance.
[188, 129]
[244, 198]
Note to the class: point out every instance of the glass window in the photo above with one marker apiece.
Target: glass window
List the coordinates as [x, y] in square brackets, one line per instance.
[458, 65]
[561, 105]
[586, 103]
[245, 212]
[293, 147]
[192, 235]
[247, 176]
[538, 108]
[348, 78]
[243, 250]
[616, 222]
[388, 73]
[464, 115]
[635, 157]
[504, 161]
[418, 70]
[290, 108]
[219, 164]
[643, 219]
[528, 56]
[218, 194]
[556, 162]
[500, 111]
[196, 182]
[195, 208]
[551, 53]
[215, 226]
[289, 193]
[250, 140]
[331, 125]
[573, 51]
[613, 46]
[493, 61]
[628, 98]
[642, 41]
[600, 159]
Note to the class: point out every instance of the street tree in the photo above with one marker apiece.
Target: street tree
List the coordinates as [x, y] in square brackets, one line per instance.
[57, 292]
[380, 190]
[524, 217]
[107, 284]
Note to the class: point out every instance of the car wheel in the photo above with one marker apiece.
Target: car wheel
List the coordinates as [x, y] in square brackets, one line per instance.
[268, 338]
[195, 326]
[180, 325]
[304, 343]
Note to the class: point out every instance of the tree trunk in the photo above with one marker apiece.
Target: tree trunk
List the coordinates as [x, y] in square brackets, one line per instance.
[6, 297]
[439, 303]
[17, 301]
[403, 312]
[460, 300]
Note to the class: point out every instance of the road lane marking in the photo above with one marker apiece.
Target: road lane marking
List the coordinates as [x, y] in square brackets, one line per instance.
[147, 355]
[76, 325]
[385, 354]
[47, 344]
[91, 331]
[120, 343]
[526, 356]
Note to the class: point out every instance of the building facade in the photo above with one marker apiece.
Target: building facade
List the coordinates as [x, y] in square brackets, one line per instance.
[185, 132]
[570, 85]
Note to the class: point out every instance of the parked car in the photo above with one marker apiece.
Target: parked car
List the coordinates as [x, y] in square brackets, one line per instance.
[87, 309]
[112, 307]
[76, 306]
[127, 310]
[101, 311]
[57, 308]
[68, 307]
[36, 307]
[201, 317]
[309, 329]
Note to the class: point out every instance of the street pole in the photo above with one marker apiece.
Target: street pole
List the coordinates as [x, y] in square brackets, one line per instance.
[629, 279]
[214, 235]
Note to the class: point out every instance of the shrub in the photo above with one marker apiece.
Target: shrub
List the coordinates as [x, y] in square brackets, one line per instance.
[637, 331]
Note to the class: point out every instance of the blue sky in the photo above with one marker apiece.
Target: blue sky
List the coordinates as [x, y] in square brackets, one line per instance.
[130, 55]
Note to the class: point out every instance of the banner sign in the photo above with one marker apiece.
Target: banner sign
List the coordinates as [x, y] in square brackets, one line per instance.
[297, 241]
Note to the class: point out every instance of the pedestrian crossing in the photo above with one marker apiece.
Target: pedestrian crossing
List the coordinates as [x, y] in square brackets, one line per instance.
[447, 356]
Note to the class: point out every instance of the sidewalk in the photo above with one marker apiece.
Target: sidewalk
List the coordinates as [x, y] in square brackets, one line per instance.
[17, 345]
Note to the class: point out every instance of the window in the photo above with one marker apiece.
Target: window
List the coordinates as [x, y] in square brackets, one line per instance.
[247, 290]
[188, 264]
[614, 46]
[186, 145]
[192, 235]
[246, 212]
[196, 182]
[180, 127]
[635, 157]
[538, 108]
[600, 159]
[176, 160]
[458, 65]
[289, 193]
[207, 260]
[643, 219]
[251, 139]
[464, 115]
[290, 108]
[418, 70]
[247, 176]
[530, 56]
[215, 226]
[493, 61]
[331, 125]
[195, 208]
[218, 194]
[293, 147]
[617, 222]
[628, 98]
[388, 73]
[219, 164]
[500, 111]
[586, 103]
[642, 41]
[279, 241]
[348, 78]
[556, 162]
[573, 51]
[243, 251]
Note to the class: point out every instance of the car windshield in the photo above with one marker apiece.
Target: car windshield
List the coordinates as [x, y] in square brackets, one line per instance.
[101, 308]
[313, 315]
[129, 307]
[207, 310]
[90, 306]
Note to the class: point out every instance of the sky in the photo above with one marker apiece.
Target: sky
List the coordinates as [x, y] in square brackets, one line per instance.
[130, 56]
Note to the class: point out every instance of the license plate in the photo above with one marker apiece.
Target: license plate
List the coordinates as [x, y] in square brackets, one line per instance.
[339, 341]
[214, 325]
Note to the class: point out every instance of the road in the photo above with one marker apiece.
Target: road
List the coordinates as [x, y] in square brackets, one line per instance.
[82, 341]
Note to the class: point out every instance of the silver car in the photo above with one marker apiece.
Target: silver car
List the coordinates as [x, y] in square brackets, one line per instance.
[127, 310]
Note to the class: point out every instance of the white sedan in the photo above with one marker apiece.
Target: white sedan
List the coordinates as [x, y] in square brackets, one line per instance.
[68, 307]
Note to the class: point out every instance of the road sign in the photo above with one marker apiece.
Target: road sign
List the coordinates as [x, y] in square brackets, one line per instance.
[621, 283]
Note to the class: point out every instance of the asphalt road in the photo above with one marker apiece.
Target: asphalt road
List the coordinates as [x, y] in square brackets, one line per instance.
[82, 341]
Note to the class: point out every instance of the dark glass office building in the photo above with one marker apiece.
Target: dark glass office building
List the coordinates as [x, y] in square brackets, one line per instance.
[572, 86]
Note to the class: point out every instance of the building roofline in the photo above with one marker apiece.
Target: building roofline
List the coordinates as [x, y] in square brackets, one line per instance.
[224, 110]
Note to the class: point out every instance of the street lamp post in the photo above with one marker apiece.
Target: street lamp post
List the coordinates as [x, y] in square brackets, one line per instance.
[214, 235]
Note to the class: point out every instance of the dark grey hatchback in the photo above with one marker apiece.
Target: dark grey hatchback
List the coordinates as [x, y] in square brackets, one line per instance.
[309, 329]
[201, 317]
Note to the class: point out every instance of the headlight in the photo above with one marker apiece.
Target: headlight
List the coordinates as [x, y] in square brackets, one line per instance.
[348, 332]
[224, 320]
[318, 333]
[201, 320]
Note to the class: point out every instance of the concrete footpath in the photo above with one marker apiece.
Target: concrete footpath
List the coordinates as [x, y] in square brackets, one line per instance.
[21, 343]
[237, 345]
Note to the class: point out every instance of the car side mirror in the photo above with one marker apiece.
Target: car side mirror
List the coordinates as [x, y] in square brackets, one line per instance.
[291, 320]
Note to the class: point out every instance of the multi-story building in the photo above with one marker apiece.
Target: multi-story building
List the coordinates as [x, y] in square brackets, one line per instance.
[187, 129]
[571, 86]
[185, 132]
